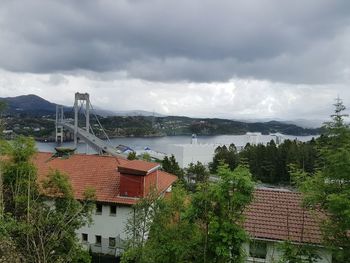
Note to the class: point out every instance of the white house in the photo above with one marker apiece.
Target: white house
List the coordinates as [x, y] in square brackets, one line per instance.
[119, 183]
[275, 216]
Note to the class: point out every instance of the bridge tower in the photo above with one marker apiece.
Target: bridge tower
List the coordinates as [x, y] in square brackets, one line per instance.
[82, 100]
[59, 126]
[81, 97]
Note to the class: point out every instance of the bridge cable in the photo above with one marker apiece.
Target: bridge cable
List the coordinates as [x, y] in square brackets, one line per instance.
[90, 127]
[103, 130]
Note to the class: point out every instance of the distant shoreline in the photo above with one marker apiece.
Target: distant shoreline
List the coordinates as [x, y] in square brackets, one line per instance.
[50, 140]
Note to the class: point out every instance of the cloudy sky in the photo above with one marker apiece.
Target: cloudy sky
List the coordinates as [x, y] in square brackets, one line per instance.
[207, 58]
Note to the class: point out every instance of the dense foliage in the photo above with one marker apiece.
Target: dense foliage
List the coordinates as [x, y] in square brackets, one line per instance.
[270, 163]
[204, 226]
[298, 253]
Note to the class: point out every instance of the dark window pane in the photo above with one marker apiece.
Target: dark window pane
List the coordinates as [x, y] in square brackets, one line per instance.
[113, 209]
[84, 237]
[258, 249]
[98, 240]
[98, 209]
[112, 241]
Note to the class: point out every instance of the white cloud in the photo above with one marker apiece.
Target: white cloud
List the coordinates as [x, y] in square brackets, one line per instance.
[237, 98]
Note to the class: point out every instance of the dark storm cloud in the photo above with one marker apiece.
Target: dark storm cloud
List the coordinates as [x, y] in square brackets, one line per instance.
[197, 40]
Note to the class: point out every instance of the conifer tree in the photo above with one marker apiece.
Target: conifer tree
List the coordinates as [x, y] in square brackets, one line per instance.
[329, 187]
[170, 165]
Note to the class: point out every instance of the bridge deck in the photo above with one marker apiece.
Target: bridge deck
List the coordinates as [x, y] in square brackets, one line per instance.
[94, 142]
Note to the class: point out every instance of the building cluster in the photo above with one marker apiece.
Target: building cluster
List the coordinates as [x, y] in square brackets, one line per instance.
[274, 216]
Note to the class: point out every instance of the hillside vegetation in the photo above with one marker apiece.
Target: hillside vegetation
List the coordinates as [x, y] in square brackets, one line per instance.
[34, 116]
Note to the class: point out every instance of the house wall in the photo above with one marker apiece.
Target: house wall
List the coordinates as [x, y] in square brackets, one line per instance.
[106, 225]
[274, 254]
[151, 181]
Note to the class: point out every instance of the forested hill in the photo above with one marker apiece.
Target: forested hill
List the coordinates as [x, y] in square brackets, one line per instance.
[176, 125]
[29, 105]
[29, 113]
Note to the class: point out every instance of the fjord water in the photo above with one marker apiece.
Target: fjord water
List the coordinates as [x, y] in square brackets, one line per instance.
[162, 144]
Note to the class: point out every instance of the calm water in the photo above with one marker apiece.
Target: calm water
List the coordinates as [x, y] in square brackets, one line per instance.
[162, 143]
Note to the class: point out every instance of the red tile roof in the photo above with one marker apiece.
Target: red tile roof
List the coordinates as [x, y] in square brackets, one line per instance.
[98, 172]
[279, 215]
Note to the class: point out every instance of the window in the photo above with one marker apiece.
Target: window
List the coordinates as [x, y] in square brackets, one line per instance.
[258, 249]
[111, 242]
[113, 210]
[84, 237]
[98, 209]
[98, 240]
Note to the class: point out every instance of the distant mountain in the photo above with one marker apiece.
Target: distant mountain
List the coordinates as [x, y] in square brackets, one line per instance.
[37, 106]
[138, 113]
[180, 125]
[304, 123]
[29, 105]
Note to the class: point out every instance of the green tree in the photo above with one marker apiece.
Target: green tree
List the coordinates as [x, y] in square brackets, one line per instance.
[146, 157]
[173, 237]
[170, 165]
[138, 227]
[217, 208]
[270, 163]
[200, 212]
[160, 231]
[132, 156]
[2, 107]
[41, 216]
[229, 197]
[329, 187]
[196, 173]
[227, 155]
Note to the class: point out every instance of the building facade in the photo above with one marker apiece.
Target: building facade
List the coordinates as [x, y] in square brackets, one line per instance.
[118, 184]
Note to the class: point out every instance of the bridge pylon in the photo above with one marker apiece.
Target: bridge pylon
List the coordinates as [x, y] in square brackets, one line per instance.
[59, 126]
[81, 97]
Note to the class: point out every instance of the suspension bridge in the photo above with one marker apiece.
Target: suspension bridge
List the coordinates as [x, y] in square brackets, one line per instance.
[83, 133]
